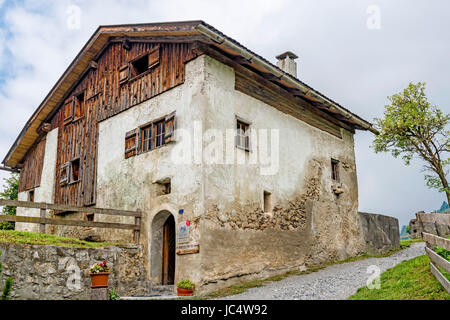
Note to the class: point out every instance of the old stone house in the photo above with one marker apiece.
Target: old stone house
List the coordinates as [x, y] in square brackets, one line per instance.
[141, 119]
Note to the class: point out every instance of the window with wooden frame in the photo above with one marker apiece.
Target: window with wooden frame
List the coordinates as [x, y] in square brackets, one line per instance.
[78, 106]
[131, 142]
[335, 170]
[74, 171]
[68, 110]
[242, 135]
[144, 62]
[150, 136]
[64, 173]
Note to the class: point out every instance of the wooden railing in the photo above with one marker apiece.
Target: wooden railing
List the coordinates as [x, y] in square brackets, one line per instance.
[435, 259]
[43, 220]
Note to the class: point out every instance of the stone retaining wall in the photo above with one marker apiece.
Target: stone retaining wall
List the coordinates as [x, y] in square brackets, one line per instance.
[434, 223]
[56, 273]
[381, 233]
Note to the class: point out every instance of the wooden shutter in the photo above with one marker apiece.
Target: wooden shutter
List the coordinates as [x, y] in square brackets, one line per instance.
[124, 73]
[64, 173]
[170, 127]
[153, 57]
[68, 110]
[131, 143]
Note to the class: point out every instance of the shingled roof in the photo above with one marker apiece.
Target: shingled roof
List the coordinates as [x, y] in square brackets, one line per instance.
[185, 31]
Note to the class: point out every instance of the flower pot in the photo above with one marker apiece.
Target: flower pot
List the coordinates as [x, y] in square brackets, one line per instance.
[185, 292]
[99, 280]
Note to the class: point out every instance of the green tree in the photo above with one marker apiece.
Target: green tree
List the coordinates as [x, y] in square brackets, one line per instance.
[412, 127]
[10, 192]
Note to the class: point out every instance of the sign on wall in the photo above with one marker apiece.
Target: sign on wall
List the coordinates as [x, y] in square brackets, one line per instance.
[183, 232]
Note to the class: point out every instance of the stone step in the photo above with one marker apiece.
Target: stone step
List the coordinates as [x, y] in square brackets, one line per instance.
[153, 297]
[166, 289]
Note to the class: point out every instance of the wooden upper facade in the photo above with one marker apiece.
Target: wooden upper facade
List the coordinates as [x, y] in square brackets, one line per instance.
[122, 66]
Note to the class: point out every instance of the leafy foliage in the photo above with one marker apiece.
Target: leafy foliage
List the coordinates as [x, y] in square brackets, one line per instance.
[113, 295]
[10, 192]
[442, 252]
[185, 284]
[414, 128]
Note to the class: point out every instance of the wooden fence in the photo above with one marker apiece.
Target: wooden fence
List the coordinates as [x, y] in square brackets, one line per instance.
[43, 220]
[435, 259]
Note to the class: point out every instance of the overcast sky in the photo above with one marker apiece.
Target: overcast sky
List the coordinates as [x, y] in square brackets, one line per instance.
[355, 52]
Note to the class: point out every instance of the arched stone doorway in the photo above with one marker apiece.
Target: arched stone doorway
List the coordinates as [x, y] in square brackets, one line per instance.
[163, 248]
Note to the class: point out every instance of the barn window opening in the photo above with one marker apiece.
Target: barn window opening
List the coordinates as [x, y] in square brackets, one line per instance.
[139, 66]
[268, 205]
[78, 110]
[90, 217]
[242, 135]
[75, 170]
[335, 170]
[31, 196]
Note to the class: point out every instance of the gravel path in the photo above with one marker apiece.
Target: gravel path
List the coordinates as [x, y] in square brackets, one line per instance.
[336, 282]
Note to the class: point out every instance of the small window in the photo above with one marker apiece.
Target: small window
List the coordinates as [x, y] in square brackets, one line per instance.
[89, 217]
[130, 143]
[139, 66]
[268, 206]
[78, 109]
[75, 171]
[163, 187]
[159, 133]
[153, 136]
[242, 135]
[68, 110]
[146, 138]
[335, 170]
[31, 196]
[64, 173]
[167, 188]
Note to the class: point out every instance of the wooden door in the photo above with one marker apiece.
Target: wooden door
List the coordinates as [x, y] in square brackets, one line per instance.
[168, 254]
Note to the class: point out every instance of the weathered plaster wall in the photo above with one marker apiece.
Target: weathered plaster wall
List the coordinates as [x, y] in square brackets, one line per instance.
[381, 233]
[130, 184]
[43, 193]
[309, 224]
[237, 238]
[57, 273]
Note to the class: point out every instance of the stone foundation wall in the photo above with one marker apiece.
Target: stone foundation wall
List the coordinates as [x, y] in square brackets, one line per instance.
[57, 273]
[381, 233]
[434, 223]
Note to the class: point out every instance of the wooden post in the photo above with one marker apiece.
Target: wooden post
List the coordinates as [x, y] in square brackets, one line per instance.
[137, 221]
[42, 225]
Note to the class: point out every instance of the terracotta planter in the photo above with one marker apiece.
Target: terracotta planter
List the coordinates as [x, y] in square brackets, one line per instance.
[185, 292]
[99, 280]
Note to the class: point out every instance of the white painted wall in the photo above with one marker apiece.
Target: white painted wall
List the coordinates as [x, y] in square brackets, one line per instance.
[46, 189]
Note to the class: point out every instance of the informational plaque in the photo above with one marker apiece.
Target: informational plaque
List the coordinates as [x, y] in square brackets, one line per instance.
[183, 233]
[188, 249]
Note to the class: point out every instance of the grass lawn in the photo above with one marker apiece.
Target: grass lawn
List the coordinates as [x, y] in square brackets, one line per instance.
[47, 239]
[409, 280]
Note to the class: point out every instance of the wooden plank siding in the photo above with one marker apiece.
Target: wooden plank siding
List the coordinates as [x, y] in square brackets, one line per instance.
[30, 176]
[105, 97]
